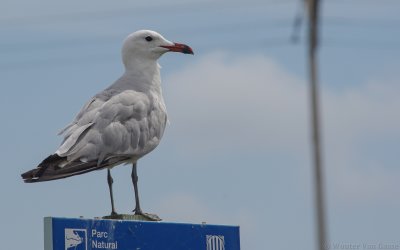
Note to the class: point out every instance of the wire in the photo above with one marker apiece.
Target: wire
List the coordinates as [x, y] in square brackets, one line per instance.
[369, 23]
[298, 21]
[215, 30]
[360, 44]
[160, 9]
[65, 60]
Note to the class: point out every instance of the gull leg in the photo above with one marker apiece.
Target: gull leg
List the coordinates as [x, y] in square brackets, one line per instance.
[110, 182]
[135, 178]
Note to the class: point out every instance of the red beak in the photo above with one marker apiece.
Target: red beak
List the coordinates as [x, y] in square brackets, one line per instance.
[178, 47]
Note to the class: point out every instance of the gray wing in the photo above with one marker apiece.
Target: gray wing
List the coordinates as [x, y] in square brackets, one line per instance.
[82, 121]
[114, 124]
[86, 114]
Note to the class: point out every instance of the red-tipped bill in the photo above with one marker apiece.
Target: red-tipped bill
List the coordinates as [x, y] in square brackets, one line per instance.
[178, 47]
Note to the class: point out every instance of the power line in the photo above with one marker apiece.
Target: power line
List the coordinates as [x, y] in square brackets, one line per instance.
[138, 11]
[369, 23]
[238, 28]
[361, 44]
[260, 44]
[216, 30]
[298, 21]
[358, 2]
[104, 57]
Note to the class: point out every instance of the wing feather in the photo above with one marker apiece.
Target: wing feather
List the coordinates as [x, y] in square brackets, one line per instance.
[117, 126]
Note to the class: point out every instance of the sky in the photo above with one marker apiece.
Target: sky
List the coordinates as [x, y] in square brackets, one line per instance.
[237, 147]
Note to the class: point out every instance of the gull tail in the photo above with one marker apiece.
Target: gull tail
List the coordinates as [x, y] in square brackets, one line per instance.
[55, 167]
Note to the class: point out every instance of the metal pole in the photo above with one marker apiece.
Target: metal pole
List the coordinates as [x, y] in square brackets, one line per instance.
[315, 121]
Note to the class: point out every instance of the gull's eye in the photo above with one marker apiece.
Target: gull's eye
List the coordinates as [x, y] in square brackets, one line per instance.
[148, 38]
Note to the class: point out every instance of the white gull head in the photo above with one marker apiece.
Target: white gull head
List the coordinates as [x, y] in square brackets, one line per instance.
[147, 46]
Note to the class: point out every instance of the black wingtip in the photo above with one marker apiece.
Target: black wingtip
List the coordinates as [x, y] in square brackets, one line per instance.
[34, 175]
[30, 180]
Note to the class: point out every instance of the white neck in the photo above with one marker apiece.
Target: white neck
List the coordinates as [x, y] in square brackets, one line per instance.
[146, 75]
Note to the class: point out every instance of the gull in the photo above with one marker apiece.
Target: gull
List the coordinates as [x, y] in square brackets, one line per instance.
[120, 124]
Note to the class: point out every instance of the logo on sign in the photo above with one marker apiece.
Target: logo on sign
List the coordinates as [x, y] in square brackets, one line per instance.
[75, 239]
[215, 242]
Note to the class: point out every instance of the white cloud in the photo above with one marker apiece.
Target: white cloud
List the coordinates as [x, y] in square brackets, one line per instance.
[362, 140]
[251, 104]
[244, 103]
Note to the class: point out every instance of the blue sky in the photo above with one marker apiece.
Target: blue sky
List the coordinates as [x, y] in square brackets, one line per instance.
[237, 148]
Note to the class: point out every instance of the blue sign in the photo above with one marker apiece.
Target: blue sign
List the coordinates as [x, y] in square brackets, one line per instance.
[92, 234]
